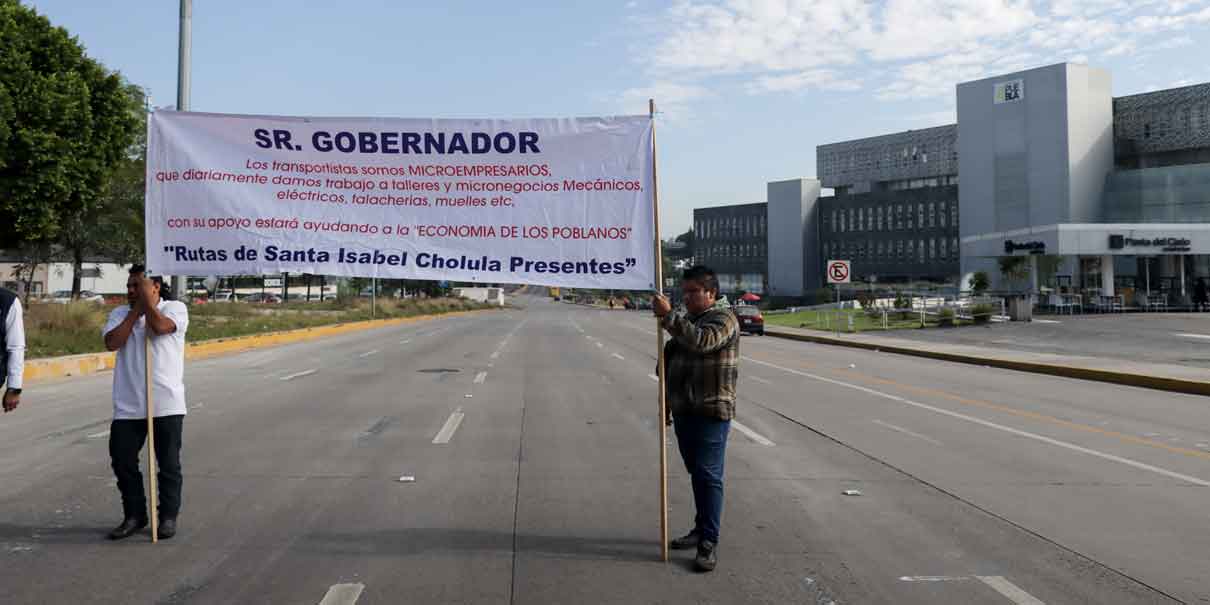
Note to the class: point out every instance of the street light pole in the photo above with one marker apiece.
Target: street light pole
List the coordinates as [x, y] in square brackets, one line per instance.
[182, 83]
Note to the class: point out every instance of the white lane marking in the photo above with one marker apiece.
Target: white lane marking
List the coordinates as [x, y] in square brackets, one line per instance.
[759, 379]
[496, 355]
[451, 425]
[1202, 336]
[907, 432]
[753, 435]
[343, 594]
[654, 377]
[619, 357]
[600, 346]
[299, 374]
[405, 341]
[480, 377]
[1063, 444]
[1045, 321]
[590, 337]
[368, 353]
[105, 433]
[1010, 590]
[933, 578]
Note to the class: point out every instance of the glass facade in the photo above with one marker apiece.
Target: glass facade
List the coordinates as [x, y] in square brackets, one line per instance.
[1171, 194]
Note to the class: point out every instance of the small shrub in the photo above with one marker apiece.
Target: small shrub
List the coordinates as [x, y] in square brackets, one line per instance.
[945, 318]
[982, 313]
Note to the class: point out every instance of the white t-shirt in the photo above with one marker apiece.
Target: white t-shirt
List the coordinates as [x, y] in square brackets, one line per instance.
[167, 365]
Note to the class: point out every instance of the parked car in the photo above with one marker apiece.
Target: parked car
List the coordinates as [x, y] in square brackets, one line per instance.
[750, 319]
[225, 296]
[64, 296]
[265, 298]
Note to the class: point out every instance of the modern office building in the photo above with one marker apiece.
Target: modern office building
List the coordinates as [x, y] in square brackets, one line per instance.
[894, 213]
[1116, 191]
[1047, 183]
[733, 240]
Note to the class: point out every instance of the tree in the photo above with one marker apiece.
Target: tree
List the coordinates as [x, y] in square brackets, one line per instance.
[112, 225]
[65, 122]
[32, 255]
[980, 283]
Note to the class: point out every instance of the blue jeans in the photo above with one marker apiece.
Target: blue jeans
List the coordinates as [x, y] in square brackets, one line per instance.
[703, 445]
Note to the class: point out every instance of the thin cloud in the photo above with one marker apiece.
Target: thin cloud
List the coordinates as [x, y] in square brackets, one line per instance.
[918, 48]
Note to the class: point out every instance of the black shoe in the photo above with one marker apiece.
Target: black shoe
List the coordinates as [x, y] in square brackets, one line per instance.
[706, 557]
[128, 528]
[687, 541]
[166, 529]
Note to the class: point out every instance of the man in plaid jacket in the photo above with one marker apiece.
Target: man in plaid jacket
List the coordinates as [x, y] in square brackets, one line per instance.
[702, 365]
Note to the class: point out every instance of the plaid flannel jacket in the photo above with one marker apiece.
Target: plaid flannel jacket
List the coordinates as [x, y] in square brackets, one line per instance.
[702, 363]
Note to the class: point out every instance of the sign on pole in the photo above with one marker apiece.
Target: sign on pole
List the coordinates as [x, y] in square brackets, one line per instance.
[838, 271]
[555, 202]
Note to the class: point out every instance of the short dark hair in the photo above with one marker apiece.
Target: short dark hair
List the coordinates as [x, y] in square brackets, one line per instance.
[703, 275]
[137, 269]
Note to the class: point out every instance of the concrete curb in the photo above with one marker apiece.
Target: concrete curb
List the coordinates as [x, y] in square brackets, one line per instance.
[37, 370]
[1146, 381]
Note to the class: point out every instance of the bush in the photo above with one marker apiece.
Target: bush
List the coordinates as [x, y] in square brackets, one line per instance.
[904, 305]
[945, 318]
[982, 313]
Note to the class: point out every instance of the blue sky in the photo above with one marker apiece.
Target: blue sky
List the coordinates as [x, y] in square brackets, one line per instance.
[747, 88]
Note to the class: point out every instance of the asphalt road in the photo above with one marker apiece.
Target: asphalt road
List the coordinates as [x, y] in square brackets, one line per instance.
[532, 439]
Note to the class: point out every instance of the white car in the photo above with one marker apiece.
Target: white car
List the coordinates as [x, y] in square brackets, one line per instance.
[64, 296]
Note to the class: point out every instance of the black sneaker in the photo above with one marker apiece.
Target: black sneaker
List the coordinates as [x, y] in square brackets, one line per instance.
[706, 557]
[687, 541]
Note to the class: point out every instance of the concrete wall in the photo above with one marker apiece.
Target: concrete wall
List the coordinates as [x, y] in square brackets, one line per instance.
[493, 296]
[1090, 140]
[794, 264]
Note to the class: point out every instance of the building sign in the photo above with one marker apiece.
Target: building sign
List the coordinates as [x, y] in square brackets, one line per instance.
[1166, 244]
[1010, 92]
[1011, 247]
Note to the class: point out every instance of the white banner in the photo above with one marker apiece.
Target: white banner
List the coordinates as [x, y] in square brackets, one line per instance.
[558, 202]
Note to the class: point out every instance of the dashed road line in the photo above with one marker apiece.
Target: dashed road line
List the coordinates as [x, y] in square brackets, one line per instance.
[480, 377]
[761, 380]
[343, 594]
[367, 354]
[451, 424]
[906, 432]
[299, 374]
[405, 341]
[753, 435]
[619, 357]
[1010, 590]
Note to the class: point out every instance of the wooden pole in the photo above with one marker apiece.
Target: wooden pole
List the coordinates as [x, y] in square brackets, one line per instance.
[659, 339]
[154, 495]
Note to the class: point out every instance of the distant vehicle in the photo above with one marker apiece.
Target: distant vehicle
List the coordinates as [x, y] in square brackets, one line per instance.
[750, 319]
[225, 296]
[554, 293]
[64, 296]
[263, 298]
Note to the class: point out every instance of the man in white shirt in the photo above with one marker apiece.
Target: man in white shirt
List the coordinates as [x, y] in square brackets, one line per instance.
[12, 348]
[124, 332]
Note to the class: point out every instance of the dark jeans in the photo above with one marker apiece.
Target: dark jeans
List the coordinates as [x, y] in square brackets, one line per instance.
[126, 439]
[703, 444]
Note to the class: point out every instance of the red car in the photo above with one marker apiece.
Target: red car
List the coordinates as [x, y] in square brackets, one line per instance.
[750, 319]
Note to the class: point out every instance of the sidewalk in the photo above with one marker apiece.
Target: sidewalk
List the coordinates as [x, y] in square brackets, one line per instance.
[1161, 376]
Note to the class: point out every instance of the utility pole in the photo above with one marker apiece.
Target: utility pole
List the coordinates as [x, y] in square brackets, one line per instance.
[182, 84]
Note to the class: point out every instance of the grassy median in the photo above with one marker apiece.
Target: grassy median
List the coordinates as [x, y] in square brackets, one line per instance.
[57, 329]
[825, 320]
